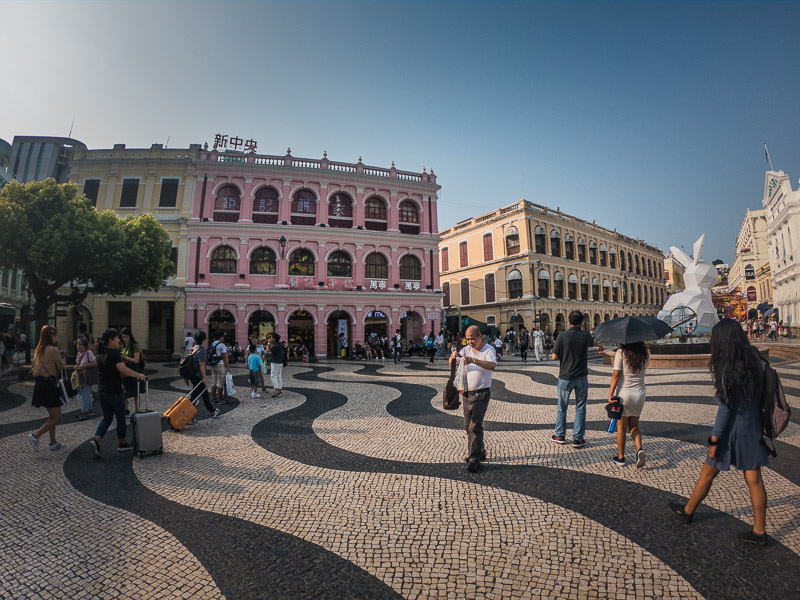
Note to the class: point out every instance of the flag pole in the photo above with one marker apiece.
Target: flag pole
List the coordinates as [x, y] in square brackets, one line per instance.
[769, 160]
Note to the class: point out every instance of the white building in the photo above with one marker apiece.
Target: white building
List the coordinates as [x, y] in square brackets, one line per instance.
[782, 207]
[751, 255]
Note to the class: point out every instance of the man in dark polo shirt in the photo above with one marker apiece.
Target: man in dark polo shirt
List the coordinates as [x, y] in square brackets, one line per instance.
[571, 349]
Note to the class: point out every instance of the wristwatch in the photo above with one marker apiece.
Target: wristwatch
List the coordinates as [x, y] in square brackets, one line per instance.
[712, 443]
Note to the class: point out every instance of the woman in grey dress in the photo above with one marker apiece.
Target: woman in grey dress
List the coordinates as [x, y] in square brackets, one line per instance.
[736, 436]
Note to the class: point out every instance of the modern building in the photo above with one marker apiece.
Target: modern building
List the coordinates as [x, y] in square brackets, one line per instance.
[527, 264]
[782, 206]
[751, 255]
[31, 158]
[133, 181]
[311, 248]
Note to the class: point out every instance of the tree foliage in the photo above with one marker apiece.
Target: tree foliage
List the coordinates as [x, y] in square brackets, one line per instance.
[57, 238]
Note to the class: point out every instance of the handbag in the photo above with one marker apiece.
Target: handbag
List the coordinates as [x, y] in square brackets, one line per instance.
[614, 408]
[450, 400]
[229, 386]
[461, 377]
[76, 380]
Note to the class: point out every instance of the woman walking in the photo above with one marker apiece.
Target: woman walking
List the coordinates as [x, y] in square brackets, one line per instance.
[86, 366]
[47, 364]
[736, 437]
[132, 355]
[112, 369]
[627, 382]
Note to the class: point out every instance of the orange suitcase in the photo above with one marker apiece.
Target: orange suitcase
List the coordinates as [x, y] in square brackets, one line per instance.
[182, 412]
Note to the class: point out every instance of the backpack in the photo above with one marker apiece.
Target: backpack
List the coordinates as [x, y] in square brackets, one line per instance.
[775, 410]
[213, 357]
[189, 365]
[430, 343]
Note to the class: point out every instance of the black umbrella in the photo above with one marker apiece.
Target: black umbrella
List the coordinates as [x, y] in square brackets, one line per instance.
[629, 330]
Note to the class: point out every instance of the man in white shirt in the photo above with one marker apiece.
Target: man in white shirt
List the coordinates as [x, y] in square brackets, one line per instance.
[481, 362]
[538, 343]
[188, 342]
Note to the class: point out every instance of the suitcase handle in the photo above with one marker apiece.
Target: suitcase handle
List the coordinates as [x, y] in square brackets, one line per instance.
[146, 394]
[189, 395]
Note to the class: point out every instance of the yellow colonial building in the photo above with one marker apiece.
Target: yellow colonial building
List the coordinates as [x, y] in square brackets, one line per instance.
[131, 182]
[526, 264]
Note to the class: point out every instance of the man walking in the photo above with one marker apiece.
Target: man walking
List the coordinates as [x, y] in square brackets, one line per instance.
[524, 340]
[218, 360]
[277, 359]
[571, 349]
[538, 343]
[481, 361]
[396, 346]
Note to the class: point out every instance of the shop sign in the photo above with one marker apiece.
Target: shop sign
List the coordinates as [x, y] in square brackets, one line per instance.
[432, 316]
[376, 314]
[375, 284]
[308, 282]
[346, 283]
[412, 285]
[235, 143]
[751, 294]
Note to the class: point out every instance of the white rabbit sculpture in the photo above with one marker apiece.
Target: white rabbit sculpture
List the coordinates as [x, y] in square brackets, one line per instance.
[699, 276]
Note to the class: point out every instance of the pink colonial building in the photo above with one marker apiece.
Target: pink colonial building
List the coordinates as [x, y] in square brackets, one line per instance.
[311, 248]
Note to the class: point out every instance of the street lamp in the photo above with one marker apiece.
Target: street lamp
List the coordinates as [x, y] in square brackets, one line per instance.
[282, 242]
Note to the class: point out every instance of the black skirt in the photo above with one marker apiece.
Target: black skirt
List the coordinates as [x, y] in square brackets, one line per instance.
[45, 392]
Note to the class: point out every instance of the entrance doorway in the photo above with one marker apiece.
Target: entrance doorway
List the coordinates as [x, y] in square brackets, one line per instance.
[161, 326]
[301, 330]
[560, 322]
[339, 322]
[260, 325]
[222, 320]
[411, 326]
[376, 325]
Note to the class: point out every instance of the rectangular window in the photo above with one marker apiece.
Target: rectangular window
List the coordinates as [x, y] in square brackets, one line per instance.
[173, 256]
[488, 282]
[445, 260]
[465, 292]
[462, 252]
[491, 320]
[91, 187]
[169, 193]
[446, 292]
[130, 189]
[488, 251]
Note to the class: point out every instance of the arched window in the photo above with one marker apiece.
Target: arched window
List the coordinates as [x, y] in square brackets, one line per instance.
[633, 294]
[595, 289]
[638, 270]
[555, 244]
[340, 265]
[265, 206]
[558, 284]
[660, 272]
[340, 211]
[304, 208]
[606, 290]
[410, 268]
[223, 260]
[649, 268]
[539, 239]
[615, 291]
[612, 257]
[262, 261]
[514, 281]
[512, 240]
[622, 260]
[584, 287]
[569, 246]
[645, 294]
[375, 214]
[543, 279]
[488, 287]
[592, 252]
[409, 217]
[572, 285]
[749, 272]
[639, 294]
[465, 291]
[376, 266]
[581, 249]
[301, 262]
[624, 289]
[630, 263]
[227, 204]
[603, 255]
[446, 293]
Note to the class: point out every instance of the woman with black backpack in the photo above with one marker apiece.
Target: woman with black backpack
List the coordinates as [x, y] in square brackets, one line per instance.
[736, 437]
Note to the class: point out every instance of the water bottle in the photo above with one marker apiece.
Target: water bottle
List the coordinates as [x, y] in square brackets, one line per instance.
[612, 425]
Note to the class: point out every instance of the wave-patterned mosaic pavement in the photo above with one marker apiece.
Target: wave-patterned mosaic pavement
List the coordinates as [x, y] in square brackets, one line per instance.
[352, 485]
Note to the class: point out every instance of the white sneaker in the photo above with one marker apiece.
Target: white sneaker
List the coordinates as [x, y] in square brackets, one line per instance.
[56, 446]
[34, 441]
[640, 458]
[257, 395]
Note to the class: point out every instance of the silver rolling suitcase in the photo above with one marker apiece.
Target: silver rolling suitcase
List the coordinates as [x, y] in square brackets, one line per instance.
[146, 425]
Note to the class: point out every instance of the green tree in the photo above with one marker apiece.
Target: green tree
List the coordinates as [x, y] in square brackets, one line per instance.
[718, 261]
[57, 238]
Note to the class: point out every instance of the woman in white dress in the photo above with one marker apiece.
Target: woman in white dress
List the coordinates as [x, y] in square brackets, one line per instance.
[627, 382]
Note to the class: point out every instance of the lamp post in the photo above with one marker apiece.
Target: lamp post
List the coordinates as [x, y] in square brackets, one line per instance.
[282, 242]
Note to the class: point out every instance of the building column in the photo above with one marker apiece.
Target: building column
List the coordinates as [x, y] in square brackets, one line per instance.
[394, 269]
[285, 208]
[394, 214]
[322, 205]
[358, 272]
[358, 208]
[320, 334]
[358, 326]
[246, 210]
[242, 265]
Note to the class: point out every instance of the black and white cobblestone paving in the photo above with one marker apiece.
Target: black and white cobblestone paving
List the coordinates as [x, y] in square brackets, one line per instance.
[352, 485]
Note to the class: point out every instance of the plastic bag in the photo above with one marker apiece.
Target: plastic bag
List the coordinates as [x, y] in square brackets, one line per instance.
[461, 376]
[229, 386]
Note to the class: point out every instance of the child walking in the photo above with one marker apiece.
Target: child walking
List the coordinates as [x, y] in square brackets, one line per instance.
[254, 364]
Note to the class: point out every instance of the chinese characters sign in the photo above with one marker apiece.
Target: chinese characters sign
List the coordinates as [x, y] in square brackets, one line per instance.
[234, 142]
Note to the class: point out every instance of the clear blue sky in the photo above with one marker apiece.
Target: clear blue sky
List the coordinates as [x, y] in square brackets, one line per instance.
[645, 116]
